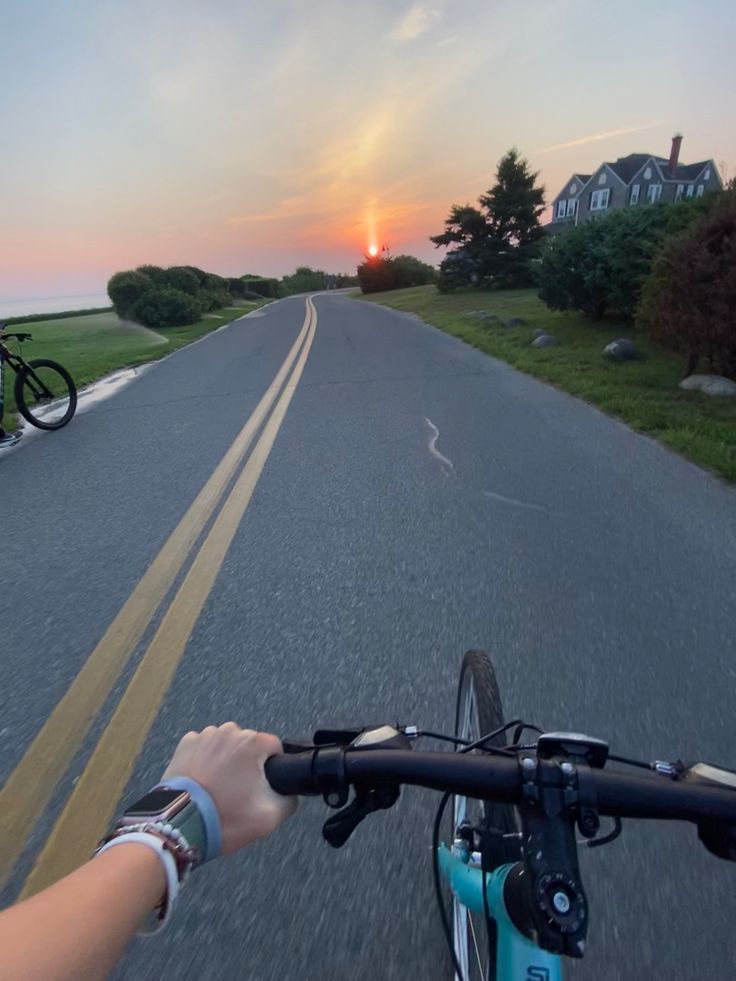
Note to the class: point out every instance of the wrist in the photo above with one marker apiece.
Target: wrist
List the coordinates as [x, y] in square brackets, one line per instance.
[148, 858]
[179, 822]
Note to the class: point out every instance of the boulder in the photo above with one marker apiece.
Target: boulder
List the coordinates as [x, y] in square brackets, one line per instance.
[709, 385]
[513, 322]
[621, 350]
[539, 333]
[544, 340]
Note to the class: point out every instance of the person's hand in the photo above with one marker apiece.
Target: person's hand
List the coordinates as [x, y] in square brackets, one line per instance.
[228, 762]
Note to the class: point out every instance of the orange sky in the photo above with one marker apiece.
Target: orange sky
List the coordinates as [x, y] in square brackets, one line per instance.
[252, 137]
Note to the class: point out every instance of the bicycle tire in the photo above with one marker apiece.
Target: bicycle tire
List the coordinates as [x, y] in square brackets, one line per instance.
[477, 676]
[26, 376]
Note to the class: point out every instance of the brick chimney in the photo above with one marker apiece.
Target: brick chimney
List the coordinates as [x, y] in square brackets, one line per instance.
[674, 153]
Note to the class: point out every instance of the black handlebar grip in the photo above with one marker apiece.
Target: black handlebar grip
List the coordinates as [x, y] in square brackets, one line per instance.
[291, 774]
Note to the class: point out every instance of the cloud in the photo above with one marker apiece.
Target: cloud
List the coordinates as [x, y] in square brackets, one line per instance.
[419, 18]
[595, 137]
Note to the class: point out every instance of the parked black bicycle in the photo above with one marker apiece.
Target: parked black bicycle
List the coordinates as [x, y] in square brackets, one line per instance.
[45, 392]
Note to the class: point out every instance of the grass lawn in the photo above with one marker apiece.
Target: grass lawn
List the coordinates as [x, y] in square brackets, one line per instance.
[643, 393]
[96, 344]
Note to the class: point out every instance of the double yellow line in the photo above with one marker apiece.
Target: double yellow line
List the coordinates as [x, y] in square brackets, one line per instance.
[95, 797]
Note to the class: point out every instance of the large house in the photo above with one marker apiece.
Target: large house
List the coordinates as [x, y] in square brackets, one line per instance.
[634, 180]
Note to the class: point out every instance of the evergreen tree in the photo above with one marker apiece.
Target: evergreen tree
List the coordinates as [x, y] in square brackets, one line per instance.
[495, 245]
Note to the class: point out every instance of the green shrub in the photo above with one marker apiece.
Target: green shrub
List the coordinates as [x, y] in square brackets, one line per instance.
[162, 306]
[199, 273]
[601, 265]
[155, 273]
[689, 301]
[181, 278]
[378, 274]
[261, 285]
[213, 299]
[574, 271]
[303, 280]
[457, 270]
[132, 293]
[126, 288]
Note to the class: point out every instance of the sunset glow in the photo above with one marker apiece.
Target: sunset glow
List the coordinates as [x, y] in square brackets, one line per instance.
[354, 124]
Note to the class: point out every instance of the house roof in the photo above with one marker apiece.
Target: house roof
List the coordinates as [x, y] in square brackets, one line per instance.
[689, 172]
[581, 178]
[628, 167]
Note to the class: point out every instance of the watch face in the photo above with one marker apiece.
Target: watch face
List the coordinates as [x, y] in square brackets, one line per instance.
[155, 802]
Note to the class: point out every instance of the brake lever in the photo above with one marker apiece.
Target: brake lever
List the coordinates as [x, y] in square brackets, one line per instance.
[338, 828]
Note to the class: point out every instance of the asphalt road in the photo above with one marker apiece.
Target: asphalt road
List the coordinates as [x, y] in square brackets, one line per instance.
[420, 499]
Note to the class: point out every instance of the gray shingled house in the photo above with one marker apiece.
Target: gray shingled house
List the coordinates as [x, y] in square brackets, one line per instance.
[629, 181]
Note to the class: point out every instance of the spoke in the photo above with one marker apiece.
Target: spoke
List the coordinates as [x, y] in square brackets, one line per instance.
[478, 959]
[461, 938]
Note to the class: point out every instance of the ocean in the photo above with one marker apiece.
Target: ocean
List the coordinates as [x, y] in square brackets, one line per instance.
[53, 304]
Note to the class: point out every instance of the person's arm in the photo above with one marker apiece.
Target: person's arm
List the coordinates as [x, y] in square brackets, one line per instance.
[79, 927]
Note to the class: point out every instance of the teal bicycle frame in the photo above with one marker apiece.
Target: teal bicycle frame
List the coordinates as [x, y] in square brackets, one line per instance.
[517, 958]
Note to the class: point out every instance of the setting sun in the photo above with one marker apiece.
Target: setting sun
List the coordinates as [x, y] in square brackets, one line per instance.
[372, 250]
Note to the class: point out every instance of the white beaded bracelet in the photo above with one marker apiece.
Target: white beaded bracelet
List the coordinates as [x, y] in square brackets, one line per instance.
[167, 860]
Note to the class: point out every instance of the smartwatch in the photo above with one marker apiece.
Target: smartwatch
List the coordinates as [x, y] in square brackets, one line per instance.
[168, 806]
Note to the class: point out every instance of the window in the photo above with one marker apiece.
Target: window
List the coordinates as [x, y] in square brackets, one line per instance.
[678, 192]
[690, 190]
[574, 187]
[635, 188]
[648, 174]
[654, 192]
[599, 200]
[700, 191]
[602, 177]
[561, 208]
[571, 203]
[706, 175]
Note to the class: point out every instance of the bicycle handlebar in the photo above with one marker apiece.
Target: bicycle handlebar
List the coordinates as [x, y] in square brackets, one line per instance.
[618, 794]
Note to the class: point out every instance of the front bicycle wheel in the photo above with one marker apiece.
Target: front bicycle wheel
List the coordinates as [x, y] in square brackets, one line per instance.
[479, 712]
[45, 394]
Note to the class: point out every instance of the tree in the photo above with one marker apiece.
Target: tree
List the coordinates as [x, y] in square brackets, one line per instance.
[496, 244]
[688, 301]
[465, 227]
[514, 205]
